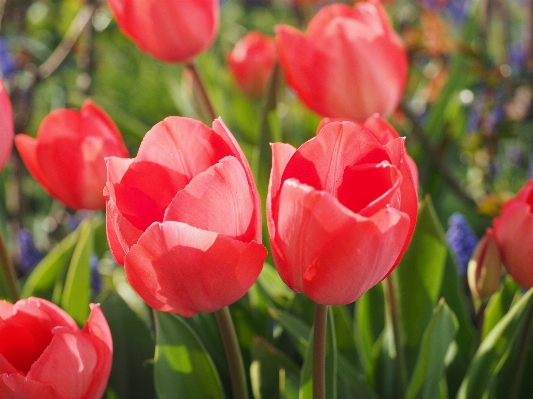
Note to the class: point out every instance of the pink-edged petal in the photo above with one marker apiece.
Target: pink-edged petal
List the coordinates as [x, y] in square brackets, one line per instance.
[97, 330]
[182, 145]
[222, 186]
[17, 386]
[368, 188]
[67, 363]
[42, 309]
[514, 234]
[116, 168]
[357, 259]
[308, 220]
[121, 234]
[321, 161]
[6, 309]
[304, 66]
[27, 148]
[6, 367]
[224, 133]
[381, 129]
[177, 268]
[408, 187]
[98, 123]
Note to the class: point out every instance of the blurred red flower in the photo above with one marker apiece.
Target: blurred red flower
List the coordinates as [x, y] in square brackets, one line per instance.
[252, 62]
[67, 157]
[45, 355]
[349, 63]
[169, 30]
[514, 234]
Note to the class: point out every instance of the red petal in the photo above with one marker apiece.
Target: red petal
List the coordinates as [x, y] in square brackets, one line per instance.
[98, 331]
[16, 386]
[177, 268]
[321, 161]
[308, 220]
[222, 186]
[67, 363]
[357, 259]
[7, 128]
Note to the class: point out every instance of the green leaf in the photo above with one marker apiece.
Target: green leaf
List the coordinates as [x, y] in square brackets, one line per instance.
[77, 291]
[494, 351]
[369, 322]
[306, 376]
[273, 374]
[430, 366]
[418, 277]
[42, 279]
[297, 328]
[344, 335]
[133, 347]
[183, 368]
[499, 304]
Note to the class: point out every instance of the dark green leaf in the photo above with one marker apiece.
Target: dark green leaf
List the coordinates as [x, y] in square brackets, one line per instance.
[183, 368]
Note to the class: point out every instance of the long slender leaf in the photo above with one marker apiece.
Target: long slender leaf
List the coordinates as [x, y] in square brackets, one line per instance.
[183, 368]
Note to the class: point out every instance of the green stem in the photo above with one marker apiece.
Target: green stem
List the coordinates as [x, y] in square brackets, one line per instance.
[523, 346]
[319, 351]
[393, 314]
[233, 353]
[9, 272]
[202, 91]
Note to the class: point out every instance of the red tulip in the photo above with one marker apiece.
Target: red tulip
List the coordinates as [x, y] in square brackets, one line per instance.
[383, 132]
[252, 62]
[45, 355]
[6, 126]
[67, 157]
[341, 210]
[514, 234]
[184, 217]
[348, 64]
[169, 30]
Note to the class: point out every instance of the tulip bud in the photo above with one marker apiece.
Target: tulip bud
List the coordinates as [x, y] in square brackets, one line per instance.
[252, 62]
[485, 267]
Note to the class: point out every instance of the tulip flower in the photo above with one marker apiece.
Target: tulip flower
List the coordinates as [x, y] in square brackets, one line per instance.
[7, 128]
[514, 234]
[169, 30]
[184, 217]
[252, 62]
[348, 64]
[45, 355]
[341, 211]
[485, 267]
[67, 157]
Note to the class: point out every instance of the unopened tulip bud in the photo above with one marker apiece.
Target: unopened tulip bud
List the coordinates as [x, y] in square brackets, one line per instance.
[485, 267]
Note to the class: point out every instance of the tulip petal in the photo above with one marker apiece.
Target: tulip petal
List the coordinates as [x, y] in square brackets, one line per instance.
[5, 366]
[121, 234]
[67, 363]
[6, 309]
[367, 188]
[7, 128]
[340, 274]
[224, 133]
[321, 161]
[514, 234]
[308, 220]
[98, 331]
[223, 185]
[177, 268]
[17, 386]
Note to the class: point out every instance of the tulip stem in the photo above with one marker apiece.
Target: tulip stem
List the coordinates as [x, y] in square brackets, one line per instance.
[233, 353]
[202, 91]
[394, 317]
[12, 289]
[523, 346]
[319, 351]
